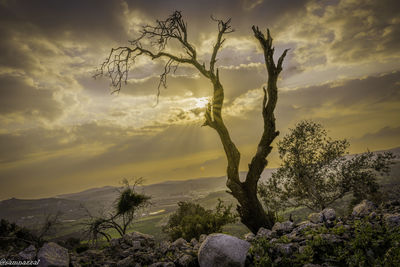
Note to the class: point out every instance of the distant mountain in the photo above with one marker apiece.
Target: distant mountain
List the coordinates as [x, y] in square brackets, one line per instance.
[165, 196]
[31, 212]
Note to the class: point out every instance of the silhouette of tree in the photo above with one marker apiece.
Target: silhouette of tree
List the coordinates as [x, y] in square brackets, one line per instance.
[117, 66]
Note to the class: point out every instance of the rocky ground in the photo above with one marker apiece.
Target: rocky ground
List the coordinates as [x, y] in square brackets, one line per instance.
[370, 236]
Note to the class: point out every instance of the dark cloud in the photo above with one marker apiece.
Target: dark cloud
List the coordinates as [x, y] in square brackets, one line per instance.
[370, 90]
[18, 96]
[343, 32]
[76, 19]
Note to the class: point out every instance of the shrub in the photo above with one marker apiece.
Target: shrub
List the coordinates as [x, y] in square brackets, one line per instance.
[191, 220]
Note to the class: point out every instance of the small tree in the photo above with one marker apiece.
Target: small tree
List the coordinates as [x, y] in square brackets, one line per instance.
[315, 171]
[126, 207]
[191, 220]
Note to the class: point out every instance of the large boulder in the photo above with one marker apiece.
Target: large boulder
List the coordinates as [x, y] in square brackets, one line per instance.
[363, 209]
[52, 254]
[219, 250]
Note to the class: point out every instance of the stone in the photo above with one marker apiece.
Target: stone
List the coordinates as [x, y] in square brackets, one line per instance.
[52, 254]
[373, 215]
[136, 245]
[186, 260]
[145, 240]
[114, 242]
[284, 227]
[331, 238]
[316, 217]
[28, 253]
[363, 209]
[286, 249]
[265, 233]
[202, 238]
[220, 250]
[329, 214]
[180, 242]
[164, 246]
[304, 225]
[194, 242]
[126, 262]
[162, 264]
[392, 220]
[249, 237]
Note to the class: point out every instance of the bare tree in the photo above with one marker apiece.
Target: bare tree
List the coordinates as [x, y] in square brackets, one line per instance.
[174, 28]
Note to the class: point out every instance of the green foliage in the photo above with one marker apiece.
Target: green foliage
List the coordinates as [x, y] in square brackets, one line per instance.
[191, 220]
[129, 200]
[363, 244]
[13, 236]
[315, 172]
[126, 206]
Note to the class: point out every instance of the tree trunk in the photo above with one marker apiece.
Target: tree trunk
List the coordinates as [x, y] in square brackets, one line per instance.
[250, 209]
[252, 213]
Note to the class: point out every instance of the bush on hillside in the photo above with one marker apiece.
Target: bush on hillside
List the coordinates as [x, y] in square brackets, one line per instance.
[191, 220]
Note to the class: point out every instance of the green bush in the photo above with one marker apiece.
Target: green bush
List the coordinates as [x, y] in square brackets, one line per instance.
[191, 220]
[364, 244]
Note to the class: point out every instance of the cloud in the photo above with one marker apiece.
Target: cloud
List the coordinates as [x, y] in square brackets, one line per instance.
[67, 132]
[19, 95]
[343, 32]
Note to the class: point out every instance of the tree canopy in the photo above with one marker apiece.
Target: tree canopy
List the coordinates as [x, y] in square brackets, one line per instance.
[315, 171]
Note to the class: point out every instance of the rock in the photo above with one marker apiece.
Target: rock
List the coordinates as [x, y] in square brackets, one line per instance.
[304, 225]
[392, 220]
[265, 233]
[330, 238]
[202, 238]
[136, 245]
[162, 264]
[363, 209]
[329, 214]
[249, 237]
[302, 249]
[284, 227]
[28, 253]
[114, 242]
[286, 249]
[194, 242]
[180, 242]
[126, 262]
[219, 250]
[186, 260]
[372, 215]
[316, 217]
[145, 240]
[164, 246]
[52, 254]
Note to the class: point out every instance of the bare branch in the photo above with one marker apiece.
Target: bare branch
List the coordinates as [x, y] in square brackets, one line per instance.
[224, 27]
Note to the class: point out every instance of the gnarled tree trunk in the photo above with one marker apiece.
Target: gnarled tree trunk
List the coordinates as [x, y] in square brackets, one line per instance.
[116, 67]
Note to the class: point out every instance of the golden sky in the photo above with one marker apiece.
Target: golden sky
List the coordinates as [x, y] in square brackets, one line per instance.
[62, 131]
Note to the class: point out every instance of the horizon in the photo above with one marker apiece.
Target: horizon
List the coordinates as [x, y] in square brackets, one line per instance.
[62, 131]
[145, 184]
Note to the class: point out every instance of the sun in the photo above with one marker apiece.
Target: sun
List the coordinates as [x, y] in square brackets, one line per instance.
[201, 102]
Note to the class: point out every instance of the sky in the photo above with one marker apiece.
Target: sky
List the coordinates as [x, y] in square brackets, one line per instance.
[62, 131]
